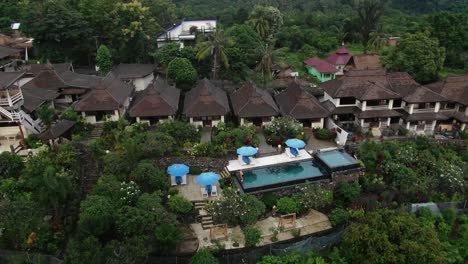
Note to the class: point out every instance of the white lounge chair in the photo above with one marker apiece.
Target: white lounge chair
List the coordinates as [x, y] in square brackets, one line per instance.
[214, 191]
[204, 193]
[174, 183]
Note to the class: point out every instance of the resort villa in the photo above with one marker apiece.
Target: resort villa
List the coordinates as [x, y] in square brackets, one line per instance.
[139, 75]
[301, 105]
[157, 103]
[108, 101]
[339, 59]
[206, 104]
[320, 69]
[185, 31]
[252, 105]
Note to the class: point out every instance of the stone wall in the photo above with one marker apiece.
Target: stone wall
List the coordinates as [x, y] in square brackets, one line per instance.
[210, 164]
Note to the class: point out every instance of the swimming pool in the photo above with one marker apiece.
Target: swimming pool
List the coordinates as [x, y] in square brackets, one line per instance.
[280, 175]
[336, 160]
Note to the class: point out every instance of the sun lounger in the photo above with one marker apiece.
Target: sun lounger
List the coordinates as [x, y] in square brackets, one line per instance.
[174, 181]
[214, 191]
[204, 193]
[294, 152]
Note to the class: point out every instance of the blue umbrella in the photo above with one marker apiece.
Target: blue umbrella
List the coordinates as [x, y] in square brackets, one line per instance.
[295, 143]
[246, 151]
[207, 178]
[177, 170]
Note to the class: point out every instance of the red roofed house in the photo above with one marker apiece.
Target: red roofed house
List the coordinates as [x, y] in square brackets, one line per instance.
[340, 59]
[322, 70]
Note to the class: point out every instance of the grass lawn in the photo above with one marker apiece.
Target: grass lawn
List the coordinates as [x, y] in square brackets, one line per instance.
[447, 71]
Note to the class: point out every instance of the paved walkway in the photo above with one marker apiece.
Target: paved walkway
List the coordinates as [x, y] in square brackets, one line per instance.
[263, 147]
[206, 135]
[315, 144]
[311, 223]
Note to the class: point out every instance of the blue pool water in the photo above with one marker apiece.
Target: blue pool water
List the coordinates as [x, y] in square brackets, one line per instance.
[336, 158]
[288, 172]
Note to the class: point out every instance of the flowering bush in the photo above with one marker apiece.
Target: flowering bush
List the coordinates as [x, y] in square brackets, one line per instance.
[325, 134]
[282, 128]
[313, 197]
[450, 176]
[229, 138]
[129, 192]
[234, 208]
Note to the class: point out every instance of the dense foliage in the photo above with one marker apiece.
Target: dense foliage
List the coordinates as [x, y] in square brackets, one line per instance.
[253, 35]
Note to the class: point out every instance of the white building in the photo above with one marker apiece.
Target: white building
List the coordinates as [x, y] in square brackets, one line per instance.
[186, 31]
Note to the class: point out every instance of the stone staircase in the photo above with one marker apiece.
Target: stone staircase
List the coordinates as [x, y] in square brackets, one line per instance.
[205, 219]
[97, 131]
[225, 173]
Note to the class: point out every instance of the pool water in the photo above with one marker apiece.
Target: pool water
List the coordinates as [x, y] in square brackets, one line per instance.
[288, 172]
[336, 158]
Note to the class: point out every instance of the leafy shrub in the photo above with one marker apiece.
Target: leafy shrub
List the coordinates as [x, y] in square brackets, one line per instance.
[182, 72]
[251, 209]
[296, 232]
[269, 199]
[84, 250]
[11, 165]
[181, 131]
[286, 205]
[324, 134]
[167, 236]
[149, 178]
[195, 170]
[203, 256]
[33, 141]
[339, 216]
[252, 236]
[179, 205]
[96, 215]
[345, 191]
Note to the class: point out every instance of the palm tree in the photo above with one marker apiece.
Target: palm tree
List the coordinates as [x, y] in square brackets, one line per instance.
[215, 45]
[369, 14]
[377, 39]
[266, 52]
[261, 26]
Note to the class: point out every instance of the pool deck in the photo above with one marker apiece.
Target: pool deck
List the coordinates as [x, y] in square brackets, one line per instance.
[235, 165]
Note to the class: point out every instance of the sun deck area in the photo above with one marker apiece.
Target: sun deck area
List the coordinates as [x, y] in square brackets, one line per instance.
[236, 165]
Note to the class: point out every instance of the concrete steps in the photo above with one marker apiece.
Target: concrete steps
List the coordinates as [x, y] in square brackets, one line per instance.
[205, 219]
[96, 132]
[225, 173]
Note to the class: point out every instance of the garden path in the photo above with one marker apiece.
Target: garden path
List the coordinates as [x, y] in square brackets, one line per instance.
[263, 147]
[206, 135]
[311, 223]
[315, 144]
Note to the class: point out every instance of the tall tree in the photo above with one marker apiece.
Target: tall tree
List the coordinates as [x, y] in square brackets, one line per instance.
[448, 29]
[417, 54]
[134, 30]
[266, 54]
[369, 13]
[104, 59]
[214, 46]
[265, 20]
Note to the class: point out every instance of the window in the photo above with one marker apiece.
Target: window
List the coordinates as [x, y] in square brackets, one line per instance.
[347, 101]
[397, 103]
[449, 106]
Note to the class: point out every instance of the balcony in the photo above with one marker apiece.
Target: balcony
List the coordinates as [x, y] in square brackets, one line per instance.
[8, 100]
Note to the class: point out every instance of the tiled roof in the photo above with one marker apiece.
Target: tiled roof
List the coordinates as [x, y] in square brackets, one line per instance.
[35, 69]
[8, 78]
[251, 101]
[158, 99]
[341, 56]
[424, 116]
[378, 113]
[7, 51]
[297, 103]
[205, 99]
[366, 61]
[410, 90]
[133, 71]
[340, 110]
[454, 88]
[57, 130]
[320, 65]
[109, 94]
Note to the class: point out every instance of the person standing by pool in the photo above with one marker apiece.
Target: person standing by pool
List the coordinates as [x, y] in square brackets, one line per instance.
[241, 176]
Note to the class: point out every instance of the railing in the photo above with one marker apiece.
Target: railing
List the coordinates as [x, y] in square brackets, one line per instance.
[376, 107]
[34, 125]
[11, 100]
[6, 113]
[423, 110]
